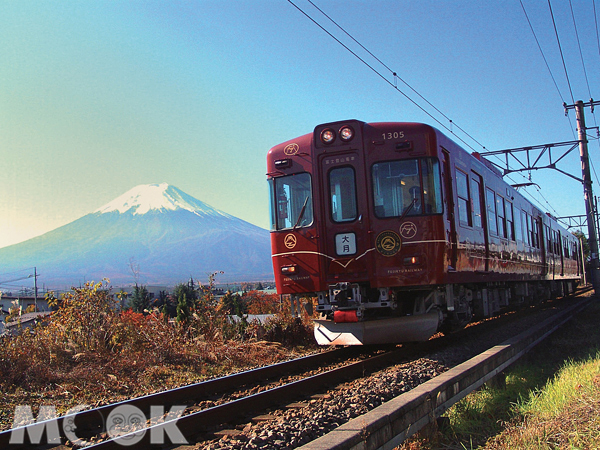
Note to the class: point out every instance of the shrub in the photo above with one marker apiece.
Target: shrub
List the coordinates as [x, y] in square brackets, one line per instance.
[262, 303]
[88, 348]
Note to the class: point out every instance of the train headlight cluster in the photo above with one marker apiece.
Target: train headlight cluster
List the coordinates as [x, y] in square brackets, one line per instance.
[411, 260]
[329, 135]
[346, 134]
[289, 270]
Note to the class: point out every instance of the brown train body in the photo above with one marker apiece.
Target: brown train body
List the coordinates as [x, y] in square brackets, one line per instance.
[400, 232]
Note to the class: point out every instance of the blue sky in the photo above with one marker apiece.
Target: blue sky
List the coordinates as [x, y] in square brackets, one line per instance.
[98, 97]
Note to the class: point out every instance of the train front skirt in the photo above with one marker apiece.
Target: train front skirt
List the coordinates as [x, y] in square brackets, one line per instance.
[382, 331]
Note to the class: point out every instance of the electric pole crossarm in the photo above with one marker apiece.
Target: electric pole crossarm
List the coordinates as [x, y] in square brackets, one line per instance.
[535, 153]
[527, 169]
[587, 191]
[573, 221]
[532, 147]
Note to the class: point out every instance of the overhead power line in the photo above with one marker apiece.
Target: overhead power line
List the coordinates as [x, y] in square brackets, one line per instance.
[541, 51]
[571, 127]
[596, 23]
[395, 75]
[561, 52]
[580, 52]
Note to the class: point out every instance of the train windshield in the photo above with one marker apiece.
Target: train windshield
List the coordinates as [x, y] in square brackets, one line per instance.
[409, 187]
[342, 187]
[291, 202]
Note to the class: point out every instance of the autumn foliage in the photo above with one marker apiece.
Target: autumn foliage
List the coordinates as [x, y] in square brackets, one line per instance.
[89, 350]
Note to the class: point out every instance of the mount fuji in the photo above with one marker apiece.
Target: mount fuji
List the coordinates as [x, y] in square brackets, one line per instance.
[155, 233]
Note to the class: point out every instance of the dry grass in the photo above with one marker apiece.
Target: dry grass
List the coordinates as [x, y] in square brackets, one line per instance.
[551, 399]
[89, 352]
[564, 414]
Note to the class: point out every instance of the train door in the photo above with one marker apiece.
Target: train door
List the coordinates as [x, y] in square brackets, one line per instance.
[481, 239]
[345, 217]
[450, 214]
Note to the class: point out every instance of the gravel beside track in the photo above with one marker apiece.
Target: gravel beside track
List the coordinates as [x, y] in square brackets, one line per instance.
[292, 427]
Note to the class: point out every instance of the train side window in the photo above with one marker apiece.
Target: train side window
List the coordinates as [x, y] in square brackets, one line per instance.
[530, 240]
[510, 222]
[548, 239]
[342, 189]
[535, 237]
[410, 186]
[518, 226]
[491, 211]
[476, 202]
[501, 216]
[464, 203]
[292, 201]
[432, 186]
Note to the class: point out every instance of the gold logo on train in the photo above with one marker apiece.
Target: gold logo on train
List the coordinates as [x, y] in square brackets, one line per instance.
[388, 243]
[290, 241]
[291, 149]
[408, 230]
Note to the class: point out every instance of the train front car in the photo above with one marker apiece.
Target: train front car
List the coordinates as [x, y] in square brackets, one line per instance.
[358, 222]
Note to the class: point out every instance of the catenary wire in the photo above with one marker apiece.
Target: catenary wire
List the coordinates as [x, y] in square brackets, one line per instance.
[541, 51]
[410, 87]
[584, 68]
[561, 52]
[547, 65]
[394, 74]
[580, 52]
[390, 83]
[596, 23]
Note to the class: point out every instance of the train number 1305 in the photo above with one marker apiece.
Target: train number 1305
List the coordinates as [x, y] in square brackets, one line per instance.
[393, 135]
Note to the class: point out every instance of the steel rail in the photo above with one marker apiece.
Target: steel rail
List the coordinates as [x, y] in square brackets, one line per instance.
[388, 425]
[196, 423]
[96, 417]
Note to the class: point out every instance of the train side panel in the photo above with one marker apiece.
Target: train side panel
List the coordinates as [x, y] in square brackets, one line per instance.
[399, 232]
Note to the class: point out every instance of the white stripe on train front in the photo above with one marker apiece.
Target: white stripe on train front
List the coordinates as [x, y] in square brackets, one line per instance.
[304, 252]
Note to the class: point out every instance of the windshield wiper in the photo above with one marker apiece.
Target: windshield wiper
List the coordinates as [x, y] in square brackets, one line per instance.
[408, 208]
[301, 214]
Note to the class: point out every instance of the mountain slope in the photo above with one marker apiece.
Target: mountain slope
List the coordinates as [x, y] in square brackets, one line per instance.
[165, 232]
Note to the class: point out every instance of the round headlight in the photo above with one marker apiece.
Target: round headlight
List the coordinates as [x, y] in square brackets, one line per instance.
[327, 136]
[346, 133]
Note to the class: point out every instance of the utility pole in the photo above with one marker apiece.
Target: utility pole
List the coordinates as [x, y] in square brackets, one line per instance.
[597, 216]
[535, 155]
[587, 191]
[35, 289]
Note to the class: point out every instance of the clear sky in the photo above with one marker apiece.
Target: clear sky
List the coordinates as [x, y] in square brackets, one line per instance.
[97, 97]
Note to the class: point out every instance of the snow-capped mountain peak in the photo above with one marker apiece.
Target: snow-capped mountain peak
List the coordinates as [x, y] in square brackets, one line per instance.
[157, 197]
[170, 235]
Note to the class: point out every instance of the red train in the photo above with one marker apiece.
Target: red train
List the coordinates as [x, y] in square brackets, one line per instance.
[400, 233]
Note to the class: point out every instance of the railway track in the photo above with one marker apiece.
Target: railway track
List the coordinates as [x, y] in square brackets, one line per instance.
[198, 410]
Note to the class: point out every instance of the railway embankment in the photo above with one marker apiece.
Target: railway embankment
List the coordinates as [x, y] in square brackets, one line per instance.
[549, 399]
[434, 369]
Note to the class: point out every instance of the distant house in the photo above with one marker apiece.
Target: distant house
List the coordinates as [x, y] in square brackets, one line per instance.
[8, 301]
[27, 320]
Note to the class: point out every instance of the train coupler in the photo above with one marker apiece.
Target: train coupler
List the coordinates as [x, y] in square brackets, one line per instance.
[345, 294]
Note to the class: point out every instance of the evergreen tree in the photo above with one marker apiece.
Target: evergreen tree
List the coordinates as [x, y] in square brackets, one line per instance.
[140, 299]
[183, 312]
[233, 304]
[190, 292]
